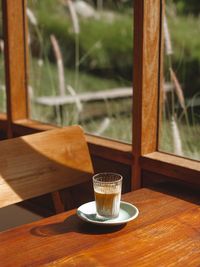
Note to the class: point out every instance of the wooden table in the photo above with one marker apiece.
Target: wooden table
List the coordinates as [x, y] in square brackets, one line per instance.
[166, 233]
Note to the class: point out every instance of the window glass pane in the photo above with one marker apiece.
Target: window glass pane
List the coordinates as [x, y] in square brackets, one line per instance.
[80, 62]
[2, 73]
[180, 126]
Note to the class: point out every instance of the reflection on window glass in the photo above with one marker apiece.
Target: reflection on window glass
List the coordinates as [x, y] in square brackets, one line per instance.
[2, 73]
[80, 62]
[180, 126]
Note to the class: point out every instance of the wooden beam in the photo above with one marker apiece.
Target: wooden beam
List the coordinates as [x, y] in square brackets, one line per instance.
[147, 20]
[15, 59]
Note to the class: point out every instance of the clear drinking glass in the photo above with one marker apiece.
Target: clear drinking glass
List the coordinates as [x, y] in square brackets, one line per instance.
[107, 191]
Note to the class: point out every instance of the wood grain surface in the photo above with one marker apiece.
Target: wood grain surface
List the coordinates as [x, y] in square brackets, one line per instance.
[166, 233]
[41, 163]
[147, 37]
[15, 59]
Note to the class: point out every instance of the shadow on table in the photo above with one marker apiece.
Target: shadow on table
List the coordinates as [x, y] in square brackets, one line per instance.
[73, 224]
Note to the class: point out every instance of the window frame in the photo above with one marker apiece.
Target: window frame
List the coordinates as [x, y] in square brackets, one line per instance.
[143, 154]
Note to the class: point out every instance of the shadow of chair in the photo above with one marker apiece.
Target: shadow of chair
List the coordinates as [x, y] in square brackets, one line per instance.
[37, 164]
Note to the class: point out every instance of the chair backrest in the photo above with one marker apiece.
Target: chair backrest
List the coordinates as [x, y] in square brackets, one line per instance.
[41, 163]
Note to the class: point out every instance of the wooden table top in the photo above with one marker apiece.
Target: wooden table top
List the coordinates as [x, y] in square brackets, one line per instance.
[166, 233]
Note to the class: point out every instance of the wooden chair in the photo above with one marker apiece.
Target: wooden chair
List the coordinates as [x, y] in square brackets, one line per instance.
[41, 163]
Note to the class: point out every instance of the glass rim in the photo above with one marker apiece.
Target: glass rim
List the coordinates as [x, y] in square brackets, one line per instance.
[107, 173]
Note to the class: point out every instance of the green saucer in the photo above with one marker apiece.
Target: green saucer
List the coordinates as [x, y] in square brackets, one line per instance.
[127, 213]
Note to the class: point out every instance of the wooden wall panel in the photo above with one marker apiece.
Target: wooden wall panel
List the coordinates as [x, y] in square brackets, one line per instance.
[172, 166]
[168, 184]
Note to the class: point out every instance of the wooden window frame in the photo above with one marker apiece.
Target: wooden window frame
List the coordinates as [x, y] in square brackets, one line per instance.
[143, 154]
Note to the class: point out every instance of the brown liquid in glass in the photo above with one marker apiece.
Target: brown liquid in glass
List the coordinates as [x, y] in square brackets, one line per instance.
[107, 204]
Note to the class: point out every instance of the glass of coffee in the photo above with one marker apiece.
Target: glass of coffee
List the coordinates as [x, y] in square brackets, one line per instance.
[107, 191]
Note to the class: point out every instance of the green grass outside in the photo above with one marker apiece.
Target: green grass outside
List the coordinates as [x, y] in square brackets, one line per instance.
[46, 82]
[189, 139]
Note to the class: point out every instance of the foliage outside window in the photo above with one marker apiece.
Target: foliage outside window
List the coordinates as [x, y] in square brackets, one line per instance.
[180, 127]
[81, 51]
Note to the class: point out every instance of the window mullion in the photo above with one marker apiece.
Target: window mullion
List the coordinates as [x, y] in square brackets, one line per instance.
[147, 46]
[15, 60]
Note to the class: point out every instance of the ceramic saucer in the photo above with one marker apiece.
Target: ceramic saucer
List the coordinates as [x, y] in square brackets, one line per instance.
[87, 212]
